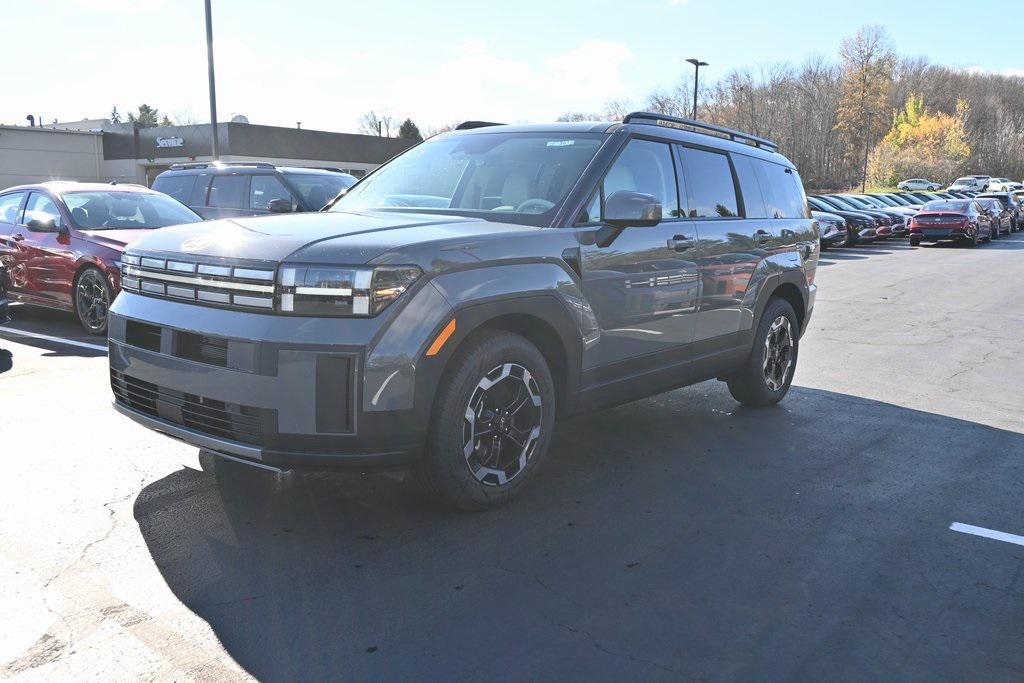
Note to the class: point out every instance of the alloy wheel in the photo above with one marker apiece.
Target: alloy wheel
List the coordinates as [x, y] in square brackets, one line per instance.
[778, 353]
[92, 299]
[502, 424]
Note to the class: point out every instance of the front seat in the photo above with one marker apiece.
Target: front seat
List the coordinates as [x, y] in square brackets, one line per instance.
[514, 191]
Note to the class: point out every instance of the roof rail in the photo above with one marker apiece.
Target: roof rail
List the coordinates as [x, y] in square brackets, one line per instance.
[325, 168]
[699, 127]
[470, 125]
[214, 164]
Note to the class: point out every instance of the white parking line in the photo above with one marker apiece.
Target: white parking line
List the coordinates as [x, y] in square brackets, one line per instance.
[987, 533]
[59, 340]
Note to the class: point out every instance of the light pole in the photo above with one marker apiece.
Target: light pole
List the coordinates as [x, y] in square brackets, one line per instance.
[697, 64]
[213, 87]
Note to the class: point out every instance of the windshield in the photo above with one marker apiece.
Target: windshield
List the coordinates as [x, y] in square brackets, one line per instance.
[317, 189]
[114, 210]
[943, 205]
[902, 201]
[841, 203]
[517, 177]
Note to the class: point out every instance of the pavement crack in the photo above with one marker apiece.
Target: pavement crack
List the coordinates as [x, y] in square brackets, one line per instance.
[608, 651]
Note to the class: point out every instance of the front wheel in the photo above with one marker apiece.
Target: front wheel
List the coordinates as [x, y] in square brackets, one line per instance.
[915, 242]
[92, 300]
[493, 416]
[767, 373]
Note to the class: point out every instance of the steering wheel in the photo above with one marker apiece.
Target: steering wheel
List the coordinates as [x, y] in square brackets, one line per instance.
[534, 206]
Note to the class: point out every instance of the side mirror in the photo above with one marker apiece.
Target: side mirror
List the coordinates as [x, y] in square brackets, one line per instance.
[42, 225]
[627, 209]
[280, 206]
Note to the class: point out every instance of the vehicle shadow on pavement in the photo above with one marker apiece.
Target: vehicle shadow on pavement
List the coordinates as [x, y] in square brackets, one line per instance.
[676, 537]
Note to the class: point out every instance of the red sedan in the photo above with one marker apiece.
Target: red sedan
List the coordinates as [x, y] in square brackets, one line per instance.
[62, 241]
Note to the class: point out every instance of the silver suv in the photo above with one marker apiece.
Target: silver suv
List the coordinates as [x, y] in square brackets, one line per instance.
[444, 312]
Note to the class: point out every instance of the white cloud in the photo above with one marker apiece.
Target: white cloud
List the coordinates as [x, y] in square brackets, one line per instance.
[327, 90]
[475, 82]
[121, 6]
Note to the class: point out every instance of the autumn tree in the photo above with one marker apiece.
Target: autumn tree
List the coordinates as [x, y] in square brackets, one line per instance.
[868, 62]
[922, 144]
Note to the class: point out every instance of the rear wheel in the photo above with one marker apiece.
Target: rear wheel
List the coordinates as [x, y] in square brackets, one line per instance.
[491, 425]
[92, 300]
[915, 242]
[768, 372]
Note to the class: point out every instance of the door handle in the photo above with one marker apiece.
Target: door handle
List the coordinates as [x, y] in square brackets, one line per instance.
[17, 237]
[762, 236]
[680, 243]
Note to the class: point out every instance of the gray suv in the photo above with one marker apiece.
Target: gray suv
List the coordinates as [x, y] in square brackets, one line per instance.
[250, 188]
[443, 313]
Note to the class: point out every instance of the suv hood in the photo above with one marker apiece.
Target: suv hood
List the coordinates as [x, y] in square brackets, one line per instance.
[356, 236]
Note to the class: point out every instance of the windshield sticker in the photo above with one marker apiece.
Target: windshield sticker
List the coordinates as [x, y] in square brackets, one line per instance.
[560, 143]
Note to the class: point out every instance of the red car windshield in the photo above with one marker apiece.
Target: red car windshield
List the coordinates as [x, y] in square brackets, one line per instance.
[120, 210]
[949, 207]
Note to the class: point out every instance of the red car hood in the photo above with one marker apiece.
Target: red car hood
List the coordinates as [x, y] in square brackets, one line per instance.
[114, 238]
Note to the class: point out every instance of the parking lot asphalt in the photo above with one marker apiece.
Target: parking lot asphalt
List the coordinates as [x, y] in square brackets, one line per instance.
[678, 537]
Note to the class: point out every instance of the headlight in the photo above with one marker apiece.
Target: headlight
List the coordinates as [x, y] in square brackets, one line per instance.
[331, 291]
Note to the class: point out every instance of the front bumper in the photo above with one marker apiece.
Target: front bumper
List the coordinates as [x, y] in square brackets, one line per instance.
[285, 392]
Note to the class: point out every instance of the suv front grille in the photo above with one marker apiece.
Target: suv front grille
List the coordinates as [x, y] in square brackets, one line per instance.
[241, 423]
[208, 282]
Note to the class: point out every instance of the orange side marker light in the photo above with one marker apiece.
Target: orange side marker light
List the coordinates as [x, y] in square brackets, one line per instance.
[443, 337]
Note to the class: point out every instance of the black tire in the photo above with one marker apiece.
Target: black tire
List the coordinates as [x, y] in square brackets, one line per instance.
[750, 385]
[851, 240]
[452, 471]
[92, 297]
[914, 242]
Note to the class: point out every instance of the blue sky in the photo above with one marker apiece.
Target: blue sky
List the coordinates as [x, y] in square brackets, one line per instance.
[324, 62]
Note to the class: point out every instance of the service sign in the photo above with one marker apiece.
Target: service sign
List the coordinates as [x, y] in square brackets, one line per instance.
[170, 142]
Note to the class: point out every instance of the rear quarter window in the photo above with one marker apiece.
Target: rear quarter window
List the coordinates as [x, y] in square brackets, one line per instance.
[782, 188]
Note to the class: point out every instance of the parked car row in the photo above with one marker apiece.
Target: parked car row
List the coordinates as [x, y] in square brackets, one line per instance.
[970, 183]
[849, 219]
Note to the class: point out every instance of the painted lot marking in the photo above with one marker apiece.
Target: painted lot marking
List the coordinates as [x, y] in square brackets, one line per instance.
[58, 340]
[987, 533]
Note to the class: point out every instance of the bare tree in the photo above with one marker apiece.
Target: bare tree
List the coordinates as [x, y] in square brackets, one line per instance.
[374, 123]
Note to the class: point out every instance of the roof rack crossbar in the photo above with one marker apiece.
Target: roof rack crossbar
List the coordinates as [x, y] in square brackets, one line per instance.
[700, 127]
[208, 164]
[469, 125]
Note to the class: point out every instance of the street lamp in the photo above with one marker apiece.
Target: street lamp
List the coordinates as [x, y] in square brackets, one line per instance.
[697, 64]
[213, 89]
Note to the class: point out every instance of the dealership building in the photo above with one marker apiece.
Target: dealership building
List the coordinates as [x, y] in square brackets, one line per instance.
[99, 150]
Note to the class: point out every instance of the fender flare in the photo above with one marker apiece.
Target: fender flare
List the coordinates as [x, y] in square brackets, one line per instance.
[471, 317]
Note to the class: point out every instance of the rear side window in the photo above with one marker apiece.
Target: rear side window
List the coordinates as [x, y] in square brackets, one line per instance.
[229, 191]
[782, 190]
[177, 186]
[750, 187]
[710, 182]
[198, 197]
[10, 204]
[264, 189]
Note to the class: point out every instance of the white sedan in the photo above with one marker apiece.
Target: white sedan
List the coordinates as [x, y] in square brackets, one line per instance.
[919, 184]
